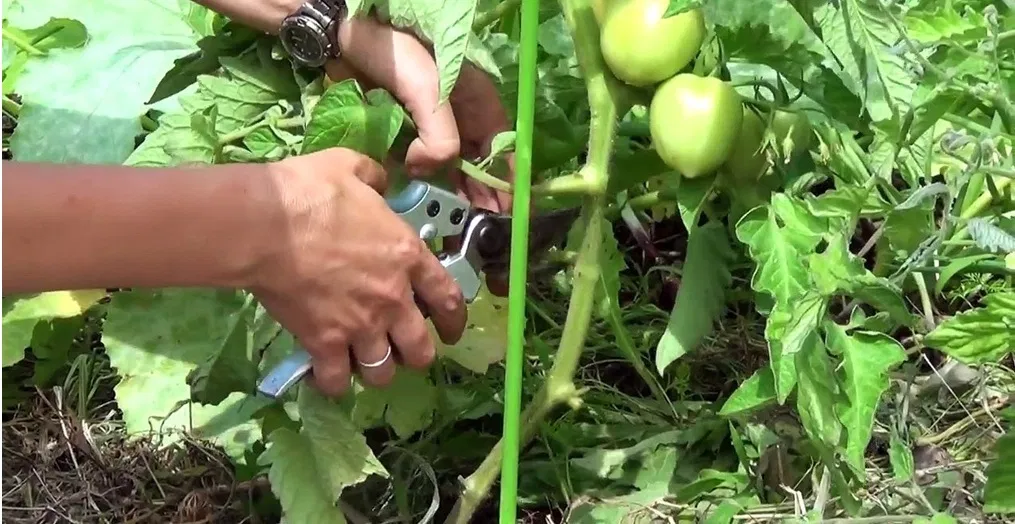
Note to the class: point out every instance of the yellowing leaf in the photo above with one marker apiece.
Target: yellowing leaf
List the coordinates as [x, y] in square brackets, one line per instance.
[24, 313]
[485, 339]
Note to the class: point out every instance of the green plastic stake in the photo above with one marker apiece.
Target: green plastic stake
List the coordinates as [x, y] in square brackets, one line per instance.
[519, 261]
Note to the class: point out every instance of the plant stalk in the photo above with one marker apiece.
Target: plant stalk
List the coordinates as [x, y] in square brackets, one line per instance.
[559, 386]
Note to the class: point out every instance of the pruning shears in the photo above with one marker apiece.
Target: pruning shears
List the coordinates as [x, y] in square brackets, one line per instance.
[435, 212]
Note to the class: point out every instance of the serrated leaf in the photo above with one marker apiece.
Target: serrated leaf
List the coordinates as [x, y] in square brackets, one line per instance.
[836, 270]
[887, 84]
[336, 443]
[701, 296]
[990, 237]
[244, 93]
[779, 236]
[154, 340]
[295, 480]
[979, 335]
[790, 328]
[92, 118]
[867, 359]
[999, 492]
[406, 404]
[344, 118]
[22, 315]
[185, 71]
[751, 394]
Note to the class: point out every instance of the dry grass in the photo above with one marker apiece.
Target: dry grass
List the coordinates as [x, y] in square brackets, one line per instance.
[58, 468]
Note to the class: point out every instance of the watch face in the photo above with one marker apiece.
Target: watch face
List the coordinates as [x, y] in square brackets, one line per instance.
[305, 42]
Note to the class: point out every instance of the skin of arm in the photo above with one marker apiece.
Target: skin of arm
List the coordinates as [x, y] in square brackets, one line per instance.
[86, 227]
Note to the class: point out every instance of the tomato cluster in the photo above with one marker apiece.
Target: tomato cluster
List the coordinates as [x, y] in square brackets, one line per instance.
[698, 124]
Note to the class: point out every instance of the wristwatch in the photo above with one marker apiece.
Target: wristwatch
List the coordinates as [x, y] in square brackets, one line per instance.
[310, 34]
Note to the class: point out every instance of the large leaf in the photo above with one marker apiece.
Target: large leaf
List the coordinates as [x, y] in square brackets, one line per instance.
[867, 359]
[82, 105]
[978, 335]
[154, 340]
[701, 297]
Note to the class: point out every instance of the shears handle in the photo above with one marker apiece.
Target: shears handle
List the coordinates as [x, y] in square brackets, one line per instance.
[432, 212]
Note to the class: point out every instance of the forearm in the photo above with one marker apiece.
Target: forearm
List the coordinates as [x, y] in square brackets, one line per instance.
[84, 227]
[265, 15]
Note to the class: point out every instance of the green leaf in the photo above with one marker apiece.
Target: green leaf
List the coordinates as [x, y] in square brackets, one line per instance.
[778, 237]
[887, 84]
[91, 116]
[296, 481]
[702, 294]
[154, 340]
[56, 33]
[990, 237]
[999, 492]
[246, 92]
[901, 456]
[233, 367]
[836, 270]
[407, 404]
[978, 335]
[343, 118]
[751, 394]
[23, 314]
[230, 42]
[867, 359]
[817, 392]
[792, 328]
[344, 459]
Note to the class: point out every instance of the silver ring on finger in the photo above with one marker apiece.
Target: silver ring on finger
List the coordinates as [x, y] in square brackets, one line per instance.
[378, 363]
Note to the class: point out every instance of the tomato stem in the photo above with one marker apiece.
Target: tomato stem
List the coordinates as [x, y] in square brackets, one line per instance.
[605, 95]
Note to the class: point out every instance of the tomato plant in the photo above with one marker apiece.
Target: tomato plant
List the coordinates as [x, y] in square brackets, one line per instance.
[832, 341]
[642, 47]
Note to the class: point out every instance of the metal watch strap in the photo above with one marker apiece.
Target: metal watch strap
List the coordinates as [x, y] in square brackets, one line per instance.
[326, 15]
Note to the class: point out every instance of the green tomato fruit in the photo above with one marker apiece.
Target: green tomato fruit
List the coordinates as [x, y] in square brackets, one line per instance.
[643, 48]
[747, 160]
[694, 122]
[793, 133]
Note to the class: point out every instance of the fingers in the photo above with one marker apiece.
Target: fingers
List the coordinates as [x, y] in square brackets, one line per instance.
[331, 373]
[412, 338]
[398, 62]
[442, 297]
[374, 360]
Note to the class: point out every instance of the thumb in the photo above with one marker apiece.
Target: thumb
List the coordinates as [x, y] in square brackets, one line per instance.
[396, 61]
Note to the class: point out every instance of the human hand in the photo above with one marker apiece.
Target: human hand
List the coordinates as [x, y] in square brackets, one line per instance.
[343, 277]
[378, 55]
